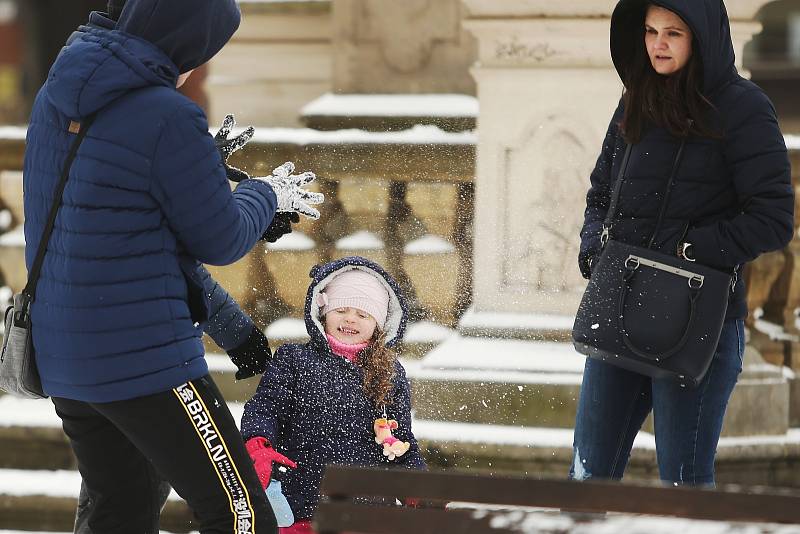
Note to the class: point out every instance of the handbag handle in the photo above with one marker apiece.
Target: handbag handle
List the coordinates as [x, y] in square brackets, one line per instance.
[694, 292]
[33, 278]
[613, 204]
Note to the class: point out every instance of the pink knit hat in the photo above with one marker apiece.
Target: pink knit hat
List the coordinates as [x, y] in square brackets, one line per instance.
[356, 289]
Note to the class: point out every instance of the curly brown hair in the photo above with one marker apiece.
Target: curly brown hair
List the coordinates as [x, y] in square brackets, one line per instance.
[378, 364]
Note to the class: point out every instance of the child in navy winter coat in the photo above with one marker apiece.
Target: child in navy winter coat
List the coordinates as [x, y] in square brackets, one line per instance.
[342, 398]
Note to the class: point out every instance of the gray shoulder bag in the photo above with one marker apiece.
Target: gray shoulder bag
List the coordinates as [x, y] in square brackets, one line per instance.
[19, 375]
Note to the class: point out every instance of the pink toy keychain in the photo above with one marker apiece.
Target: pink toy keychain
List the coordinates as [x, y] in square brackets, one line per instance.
[392, 447]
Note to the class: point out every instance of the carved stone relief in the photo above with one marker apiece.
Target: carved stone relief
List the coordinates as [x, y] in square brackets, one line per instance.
[545, 181]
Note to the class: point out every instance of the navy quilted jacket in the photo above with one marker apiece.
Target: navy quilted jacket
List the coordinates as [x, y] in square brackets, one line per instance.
[311, 404]
[120, 299]
[732, 197]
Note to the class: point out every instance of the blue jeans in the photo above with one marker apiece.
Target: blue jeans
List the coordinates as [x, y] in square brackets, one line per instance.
[614, 403]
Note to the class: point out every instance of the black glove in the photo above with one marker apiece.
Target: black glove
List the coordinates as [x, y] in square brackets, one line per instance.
[252, 355]
[227, 147]
[587, 261]
[280, 226]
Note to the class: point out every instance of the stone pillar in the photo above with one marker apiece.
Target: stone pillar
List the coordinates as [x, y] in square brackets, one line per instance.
[414, 46]
[547, 89]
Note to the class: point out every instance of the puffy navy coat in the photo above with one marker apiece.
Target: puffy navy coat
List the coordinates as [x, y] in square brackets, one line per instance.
[311, 404]
[120, 299]
[732, 198]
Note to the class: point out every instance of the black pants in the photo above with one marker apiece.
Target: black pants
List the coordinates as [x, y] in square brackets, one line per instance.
[186, 436]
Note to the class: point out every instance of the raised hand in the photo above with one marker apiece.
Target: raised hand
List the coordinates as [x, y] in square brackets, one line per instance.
[289, 188]
[227, 146]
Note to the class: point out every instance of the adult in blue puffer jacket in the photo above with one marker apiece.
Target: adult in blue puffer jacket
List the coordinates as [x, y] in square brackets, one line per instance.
[731, 201]
[119, 307]
[318, 403]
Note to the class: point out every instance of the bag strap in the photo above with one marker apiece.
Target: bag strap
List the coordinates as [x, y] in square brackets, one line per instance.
[667, 193]
[36, 269]
[613, 204]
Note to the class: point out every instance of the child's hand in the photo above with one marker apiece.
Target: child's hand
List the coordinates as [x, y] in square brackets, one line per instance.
[263, 455]
[227, 146]
[289, 188]
[251, 356]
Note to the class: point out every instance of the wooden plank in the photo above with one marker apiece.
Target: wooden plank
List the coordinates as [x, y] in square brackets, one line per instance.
[333, 517]
[730, 503]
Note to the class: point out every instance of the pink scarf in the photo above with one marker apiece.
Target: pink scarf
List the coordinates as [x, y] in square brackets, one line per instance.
[345, 350]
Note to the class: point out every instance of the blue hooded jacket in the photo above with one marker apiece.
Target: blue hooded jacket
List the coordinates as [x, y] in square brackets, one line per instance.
[311, 404]
[732, 198]
[120, 302]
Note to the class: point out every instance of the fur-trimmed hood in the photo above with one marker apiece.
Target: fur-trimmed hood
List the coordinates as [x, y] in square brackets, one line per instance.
[323, 274]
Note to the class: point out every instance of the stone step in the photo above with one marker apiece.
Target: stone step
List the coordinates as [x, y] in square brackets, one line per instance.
[506, 382]
[757, 460]
[45, 500]
[391, 112]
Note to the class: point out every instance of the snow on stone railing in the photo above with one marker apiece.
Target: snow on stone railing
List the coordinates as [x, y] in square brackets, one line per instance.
[417, 135]
[361, 240]
[295, 241]
[407, 105]
[13, 133]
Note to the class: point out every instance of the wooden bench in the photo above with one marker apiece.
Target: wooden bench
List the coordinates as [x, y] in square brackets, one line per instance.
[339, 513]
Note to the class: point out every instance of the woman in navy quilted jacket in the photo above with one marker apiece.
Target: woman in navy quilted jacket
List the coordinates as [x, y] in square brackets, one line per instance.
[119, 308]
[342, 398]
[731, 201]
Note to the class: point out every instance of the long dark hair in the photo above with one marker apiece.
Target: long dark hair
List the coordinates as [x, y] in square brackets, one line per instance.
[675, 103]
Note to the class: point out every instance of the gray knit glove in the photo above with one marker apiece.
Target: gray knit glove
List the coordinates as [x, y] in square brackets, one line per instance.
[288, 187]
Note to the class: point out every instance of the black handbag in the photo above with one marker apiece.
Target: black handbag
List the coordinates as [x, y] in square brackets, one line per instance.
[19, 375]
[648, 312]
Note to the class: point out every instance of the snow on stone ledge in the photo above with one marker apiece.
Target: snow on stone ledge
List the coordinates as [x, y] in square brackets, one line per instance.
[426, 332]
[428, 244]
[292, 242]
[474, 319]
[25, 412]
[14, 238]
[470, 353]
[13, 133]
[362, 240]
[522, 436]
[402, 105]
[417, 135]
[287, 328]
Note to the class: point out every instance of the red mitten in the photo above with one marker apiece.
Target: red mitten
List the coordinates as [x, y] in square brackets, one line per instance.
[263, 455]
